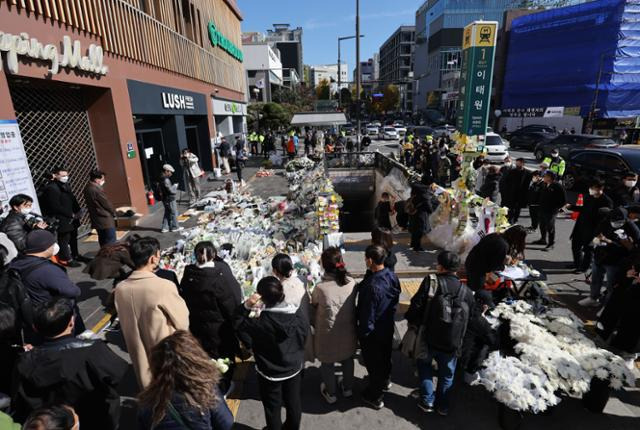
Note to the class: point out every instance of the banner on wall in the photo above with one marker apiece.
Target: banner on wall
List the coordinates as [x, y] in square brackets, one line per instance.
[15, 175]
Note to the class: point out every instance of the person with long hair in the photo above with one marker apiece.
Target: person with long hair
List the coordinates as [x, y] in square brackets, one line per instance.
[383, 237]
[333, 309]
[183, 392]
[212, 295]
[516, 237]
[112, 260]
[277, 337]
[294, 290]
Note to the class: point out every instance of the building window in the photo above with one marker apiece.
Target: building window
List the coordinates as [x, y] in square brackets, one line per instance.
[450, 60]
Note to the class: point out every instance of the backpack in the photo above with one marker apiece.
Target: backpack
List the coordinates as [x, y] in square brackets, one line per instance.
[447, 318]
[13, 293]
[158, 190]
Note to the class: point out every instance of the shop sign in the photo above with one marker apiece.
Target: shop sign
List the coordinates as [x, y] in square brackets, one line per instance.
[224, 107]
[535, 112]
[479, 45]
[15, 175]
[231, 107]
[71, 56]
[177, 101]
[217, 39]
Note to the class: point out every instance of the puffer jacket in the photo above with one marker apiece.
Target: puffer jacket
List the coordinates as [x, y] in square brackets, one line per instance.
[212, 295]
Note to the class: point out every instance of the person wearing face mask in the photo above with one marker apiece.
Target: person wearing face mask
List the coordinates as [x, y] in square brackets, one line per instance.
[15, 224]
[556, 163]
[444, 170]
[514, 189]
[552, 199]
[101, 211]
[149, 307]
[627, 193]
[616, 237]
[60, 203]
[42, 278]
[533, 200]
[585, 228]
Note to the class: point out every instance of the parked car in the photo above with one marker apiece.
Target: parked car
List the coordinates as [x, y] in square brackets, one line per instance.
[422, 131]
[497, 148]
[348, 128]
[530, 139]
[569, 142]
[389, 133]
[534, 128]
[608, 164]
[372, 130]
[377, 123]
[444, 130]
[401, 129]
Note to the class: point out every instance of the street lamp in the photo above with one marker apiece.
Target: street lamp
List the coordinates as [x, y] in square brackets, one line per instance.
[340, 39]
[358, 83]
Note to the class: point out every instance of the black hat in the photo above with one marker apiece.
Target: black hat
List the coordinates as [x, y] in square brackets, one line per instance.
[39, 241]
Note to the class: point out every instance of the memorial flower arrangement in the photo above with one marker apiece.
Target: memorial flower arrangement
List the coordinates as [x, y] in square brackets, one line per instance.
[552, 345]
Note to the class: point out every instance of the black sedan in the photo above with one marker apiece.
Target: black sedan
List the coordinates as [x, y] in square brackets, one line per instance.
[609, 165]
[529, 140]
[565, 143]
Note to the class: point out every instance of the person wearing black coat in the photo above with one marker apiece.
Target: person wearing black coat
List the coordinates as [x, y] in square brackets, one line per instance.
[60, 203]
[514, 190]
[552, 199]
[419, 206]
[584, 229]
[480, 338]
[491, 186]
[212, 295]
[20, 221]
[80, 373]
[627, 192]
[277, 337]
[383, 211]
[533, 199]
[488, 255]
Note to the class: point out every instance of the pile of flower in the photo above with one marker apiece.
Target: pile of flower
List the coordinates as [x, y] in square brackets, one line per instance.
[258, 229]
[555, 356]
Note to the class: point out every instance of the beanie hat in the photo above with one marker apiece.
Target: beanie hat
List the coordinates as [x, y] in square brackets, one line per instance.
[39, 241]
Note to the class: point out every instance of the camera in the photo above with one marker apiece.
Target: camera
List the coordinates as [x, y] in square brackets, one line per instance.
[33, 220]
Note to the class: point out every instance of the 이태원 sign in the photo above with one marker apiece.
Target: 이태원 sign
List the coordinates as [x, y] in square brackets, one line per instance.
[15, 175]
[478, 50]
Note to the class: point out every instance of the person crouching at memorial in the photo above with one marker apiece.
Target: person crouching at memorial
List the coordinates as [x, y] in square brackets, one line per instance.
[277, 337]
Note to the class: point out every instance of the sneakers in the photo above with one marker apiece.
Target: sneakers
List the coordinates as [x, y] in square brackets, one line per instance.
[177, 229]
[375, 404]
[164, 230]
[589, 302]
[327, 397]
[426, 407]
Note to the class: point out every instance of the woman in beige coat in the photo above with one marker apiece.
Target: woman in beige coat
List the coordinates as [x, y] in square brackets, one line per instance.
[333, 316]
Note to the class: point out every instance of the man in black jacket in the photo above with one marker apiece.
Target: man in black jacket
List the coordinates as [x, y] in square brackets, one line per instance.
[20, 221]
[169, 192]
[513, 189]
[552, 199]
[627, 193]
[60, 203]
[533, 199]
[79, 373]
[585, 228]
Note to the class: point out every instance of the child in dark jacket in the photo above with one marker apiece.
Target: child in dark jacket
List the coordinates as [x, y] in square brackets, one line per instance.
[480, 338]
[277, 337]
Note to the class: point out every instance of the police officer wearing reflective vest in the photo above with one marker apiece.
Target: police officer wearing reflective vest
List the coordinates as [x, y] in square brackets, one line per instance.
[556, 163]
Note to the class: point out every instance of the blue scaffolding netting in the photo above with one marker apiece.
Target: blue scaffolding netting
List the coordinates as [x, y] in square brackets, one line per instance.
[563, 57]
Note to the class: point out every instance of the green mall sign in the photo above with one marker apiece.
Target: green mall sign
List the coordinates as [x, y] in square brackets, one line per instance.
[478, 50]
[217, 39]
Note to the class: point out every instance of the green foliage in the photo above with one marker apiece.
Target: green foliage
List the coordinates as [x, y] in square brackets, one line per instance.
[391, 98]
[268, 115]
[323, 90]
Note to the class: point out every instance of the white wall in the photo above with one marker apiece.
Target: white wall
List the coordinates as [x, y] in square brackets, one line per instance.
[262, 57]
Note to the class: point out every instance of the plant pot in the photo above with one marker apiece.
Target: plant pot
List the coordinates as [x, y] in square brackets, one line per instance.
[598, 395]
[508, 418]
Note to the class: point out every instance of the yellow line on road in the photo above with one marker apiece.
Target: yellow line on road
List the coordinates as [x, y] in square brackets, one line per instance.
[102, 323]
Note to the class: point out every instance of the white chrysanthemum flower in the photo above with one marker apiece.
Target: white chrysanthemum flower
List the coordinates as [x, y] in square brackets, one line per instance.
[615, 383]
[602, 373]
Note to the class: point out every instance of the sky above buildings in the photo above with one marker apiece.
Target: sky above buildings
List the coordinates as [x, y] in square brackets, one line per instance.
[323, 21]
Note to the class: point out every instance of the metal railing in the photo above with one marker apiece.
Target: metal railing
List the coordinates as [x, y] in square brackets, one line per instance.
[363, 160]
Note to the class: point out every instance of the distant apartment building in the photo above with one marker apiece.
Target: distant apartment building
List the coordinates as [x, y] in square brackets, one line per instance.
[289, 42]
[437, 54]
[396, 64]
[367, 76]
[263, 68]
[330, 73]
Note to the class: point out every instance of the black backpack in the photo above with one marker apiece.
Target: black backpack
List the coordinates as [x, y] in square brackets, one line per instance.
[14, 294]
[158, 190]
[448, 317]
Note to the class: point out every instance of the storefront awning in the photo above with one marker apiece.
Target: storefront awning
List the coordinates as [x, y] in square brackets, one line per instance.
[319, 118]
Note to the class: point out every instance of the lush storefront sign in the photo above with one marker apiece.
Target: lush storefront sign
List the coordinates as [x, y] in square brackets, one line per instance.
[71, 56]
[218, 39]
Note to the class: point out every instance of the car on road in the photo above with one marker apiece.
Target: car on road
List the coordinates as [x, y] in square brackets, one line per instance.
[497, 148]
[422, 131]
[444, 130]
[529, 140]
[376, 123]
[569, 142]
[533, 128]
[389, 133]
[401, 129]
[348, 128]
[608, 164]
[372, 130]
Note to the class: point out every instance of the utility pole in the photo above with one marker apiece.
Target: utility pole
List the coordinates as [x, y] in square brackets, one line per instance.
[340, 39]
[359, 146]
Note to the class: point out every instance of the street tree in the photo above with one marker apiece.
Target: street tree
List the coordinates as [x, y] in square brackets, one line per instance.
[390, 98]
[323, 90]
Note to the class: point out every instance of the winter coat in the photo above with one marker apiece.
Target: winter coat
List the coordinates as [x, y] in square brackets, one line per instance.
[225, 149]
[382, 214]
[294, 290]
[109, 266]
[584, 229]
[419, 221]
[149, 309]
[277, 338]
[533, 193]
[169, 192]
[190, 166]
[46, 281]
[212, 295]
[60, 203]
[402, 218]
[80, 373]
[515, 187]
[486, 256]
[552, 197]
[101, 210]
[479, 339]
[490, 187]
[15, 227]
[378, 296]
[625, 196]
[12, 251]
[217, 418]
[390, 260]
[333, 309]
